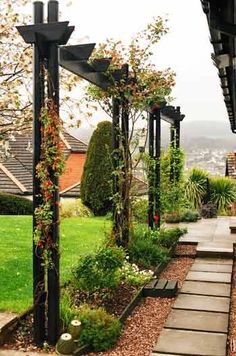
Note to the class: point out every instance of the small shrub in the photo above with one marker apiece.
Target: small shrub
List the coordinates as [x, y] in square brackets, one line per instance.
[98, 271]
[196, 186]
[190, 216]
[140, 210]
[172, 218]
[75, 207]
[131, 274]
[14, 205]
[223, 193]
[144, 252]
[169, 237]
[209, 211]
[100, 330]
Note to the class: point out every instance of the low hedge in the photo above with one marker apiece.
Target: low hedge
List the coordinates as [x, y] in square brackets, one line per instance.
[15, 205]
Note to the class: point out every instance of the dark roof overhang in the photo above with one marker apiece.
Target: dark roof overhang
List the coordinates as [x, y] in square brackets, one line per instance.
[221, 17]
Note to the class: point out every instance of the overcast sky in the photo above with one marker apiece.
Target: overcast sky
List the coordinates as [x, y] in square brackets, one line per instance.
[186, 48]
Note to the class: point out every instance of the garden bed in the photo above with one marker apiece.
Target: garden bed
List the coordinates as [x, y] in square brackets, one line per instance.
[118, 302]
[143, 326]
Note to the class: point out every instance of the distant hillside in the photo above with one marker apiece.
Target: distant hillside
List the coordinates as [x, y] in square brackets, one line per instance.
[194, 135]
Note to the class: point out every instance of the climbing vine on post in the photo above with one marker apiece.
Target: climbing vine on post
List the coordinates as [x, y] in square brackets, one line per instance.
[51, 163]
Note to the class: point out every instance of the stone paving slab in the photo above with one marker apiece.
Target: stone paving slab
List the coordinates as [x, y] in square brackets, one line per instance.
[221, 261]
[199, 302]
[196, 320]
[209, 277]
[5, 318]
[214, 250]
[158, 354]
[191, 343]
[206, 288]
[203, 267]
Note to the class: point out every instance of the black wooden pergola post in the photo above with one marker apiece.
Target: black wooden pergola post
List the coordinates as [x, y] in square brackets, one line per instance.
[54, 271]
[151, 178]
[154, 203]
[38, 269]
[116, 161]
[175, 143]
[46, 37]
[126, 161]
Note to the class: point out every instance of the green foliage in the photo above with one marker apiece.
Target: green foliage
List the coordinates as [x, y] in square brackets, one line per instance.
[131, 274]
[100, 330]
[98, 271]
[96, 181]
[190, 216]
[172, 193]
[144, 251]
[208, 211]
[223, 192]
[195, 186]
[67, 311]
[14, 205]
[139, 209]
[168, 237]
[70, 208]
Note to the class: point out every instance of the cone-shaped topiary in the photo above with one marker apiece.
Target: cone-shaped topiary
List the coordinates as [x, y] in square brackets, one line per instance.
[96, 181]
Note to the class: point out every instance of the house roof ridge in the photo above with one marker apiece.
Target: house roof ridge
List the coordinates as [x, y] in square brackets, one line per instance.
[76, 138]
[62, 137]
[69, 188]
[13, 178]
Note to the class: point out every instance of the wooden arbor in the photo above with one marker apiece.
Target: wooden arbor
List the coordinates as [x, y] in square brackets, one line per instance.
[173, 116]
[46, 38]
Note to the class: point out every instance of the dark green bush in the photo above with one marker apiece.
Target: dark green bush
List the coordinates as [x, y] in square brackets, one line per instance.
[96, 181]
[100, 330]
[144, 251]
[14, 205]
[98, 271]
[209, 211]
[190, 216]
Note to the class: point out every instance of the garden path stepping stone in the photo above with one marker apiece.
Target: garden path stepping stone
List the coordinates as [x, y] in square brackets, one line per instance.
[211, 268]
[218, 261]
[199, 302]
[196, 320]
[206, 288]
[209, 277]
[191, 343]
[204, 249]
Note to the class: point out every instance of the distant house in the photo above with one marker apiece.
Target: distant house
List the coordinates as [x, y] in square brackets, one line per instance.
[17, 167]
[230, 170]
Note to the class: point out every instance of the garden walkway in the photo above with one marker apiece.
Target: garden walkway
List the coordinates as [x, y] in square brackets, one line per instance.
[198, 322]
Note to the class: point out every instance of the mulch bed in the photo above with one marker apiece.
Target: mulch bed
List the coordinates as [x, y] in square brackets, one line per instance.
[186, 250]
[144, 325]
[232, 322]
[114, 303]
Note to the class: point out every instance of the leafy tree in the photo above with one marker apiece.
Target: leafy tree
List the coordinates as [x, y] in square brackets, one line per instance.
[146, 86]
[96, 181]
[16, 70]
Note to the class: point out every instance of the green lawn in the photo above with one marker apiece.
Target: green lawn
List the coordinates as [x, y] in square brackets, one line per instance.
[78, 236]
